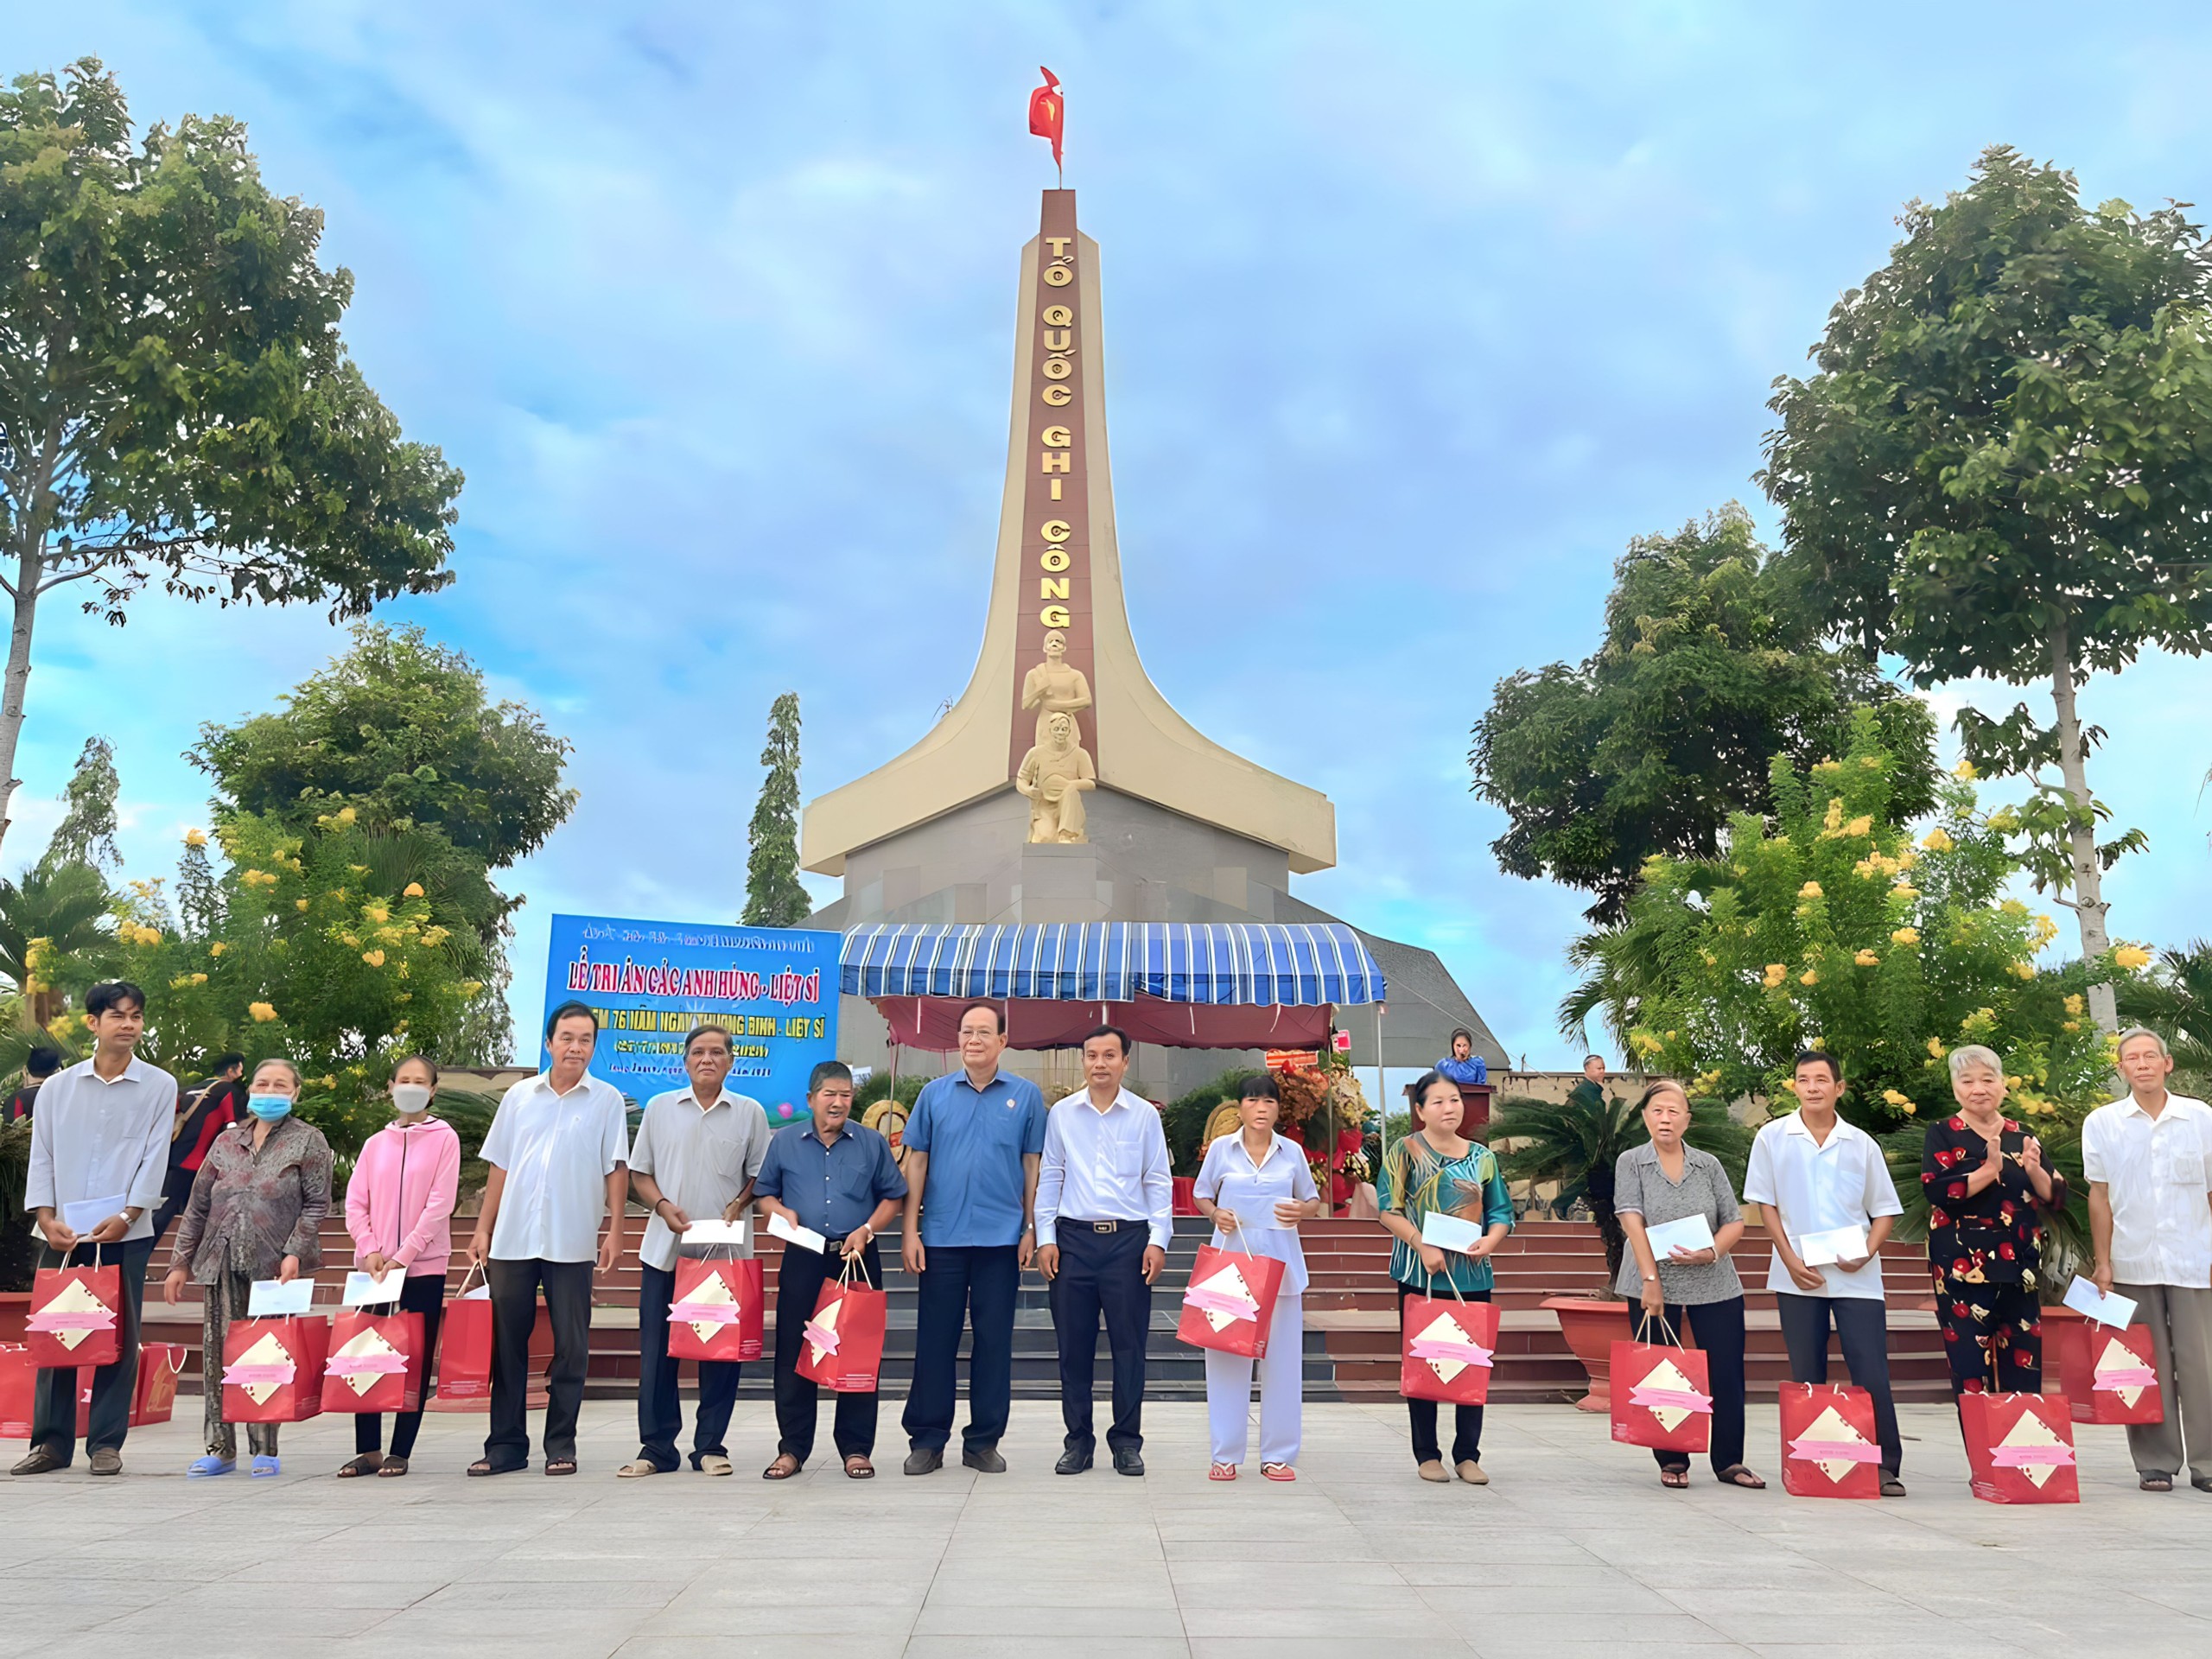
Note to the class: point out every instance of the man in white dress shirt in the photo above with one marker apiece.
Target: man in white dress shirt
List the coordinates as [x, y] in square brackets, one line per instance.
[559, 1150]
[1103, 1220]
[2149, 1159]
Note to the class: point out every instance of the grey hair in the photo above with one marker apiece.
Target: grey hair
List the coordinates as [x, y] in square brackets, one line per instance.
[2133, 1031]
[1976, 1054]
[298, 1082]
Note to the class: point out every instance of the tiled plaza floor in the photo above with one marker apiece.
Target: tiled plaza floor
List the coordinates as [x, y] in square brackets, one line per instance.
[1574, 1551]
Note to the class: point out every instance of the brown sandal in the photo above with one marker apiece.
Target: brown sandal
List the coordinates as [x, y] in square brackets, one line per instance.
[1674, 1480]
[857, 1467]
[1736, 1475]
[367, 1464]
[391, 1468]
[782, 1468]
[560, 1465]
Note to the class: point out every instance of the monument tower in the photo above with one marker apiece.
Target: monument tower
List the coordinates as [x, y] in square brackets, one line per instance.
[1062, 786]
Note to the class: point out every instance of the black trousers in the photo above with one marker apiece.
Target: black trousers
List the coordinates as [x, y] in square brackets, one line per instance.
[2001, 1318]
[54, 1409]
[660, 1416]
[1863, 1324]
[1102, 1273]
[515, 1287]
[176, 1192]
[973, 1285]
[798, 1282]
[423, 1293]
[1466, 1421]
[1718, 1327]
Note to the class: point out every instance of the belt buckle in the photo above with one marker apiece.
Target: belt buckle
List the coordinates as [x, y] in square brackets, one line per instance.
[1105, 1226]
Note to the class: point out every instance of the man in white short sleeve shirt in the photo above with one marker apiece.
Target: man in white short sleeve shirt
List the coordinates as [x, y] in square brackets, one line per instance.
[559, 1150]
[2149, 1159]
[1812, 1173]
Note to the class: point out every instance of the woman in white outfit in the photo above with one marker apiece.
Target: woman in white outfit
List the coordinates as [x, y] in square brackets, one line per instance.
[1254, 1186]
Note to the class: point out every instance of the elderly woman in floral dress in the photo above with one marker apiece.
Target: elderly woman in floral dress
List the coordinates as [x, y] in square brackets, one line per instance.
[1987, 1185]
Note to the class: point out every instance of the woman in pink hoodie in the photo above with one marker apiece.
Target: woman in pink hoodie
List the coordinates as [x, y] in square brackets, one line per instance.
[400, 1210]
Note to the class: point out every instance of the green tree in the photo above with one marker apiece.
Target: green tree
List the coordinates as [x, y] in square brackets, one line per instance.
[2003, 468]
[86, 832]
[2174, 999]
[57, 933]
[1710, 664]
[773, 896]
[176, 404]
[400, 730]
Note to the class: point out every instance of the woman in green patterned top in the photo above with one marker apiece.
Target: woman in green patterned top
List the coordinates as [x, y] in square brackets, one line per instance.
[1434, 1168]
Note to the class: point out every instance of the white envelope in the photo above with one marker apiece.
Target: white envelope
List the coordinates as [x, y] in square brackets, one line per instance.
[1449, 1232]
[1837, 1244]
[718, 1233]
[87, 1213]
[481, 1294]
[804, 1237]
[2083, 1297]
[272, 1299]
[362, 1290]
[1690, 1233]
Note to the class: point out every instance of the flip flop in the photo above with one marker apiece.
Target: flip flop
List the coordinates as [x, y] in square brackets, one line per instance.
[1222, 1471]
[1736, 1475]
[782, 1468]
[560, 1465]
[391, 1469]
[367, 1464]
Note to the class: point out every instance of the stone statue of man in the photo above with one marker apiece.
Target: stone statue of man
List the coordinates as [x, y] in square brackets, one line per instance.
[1054, 775]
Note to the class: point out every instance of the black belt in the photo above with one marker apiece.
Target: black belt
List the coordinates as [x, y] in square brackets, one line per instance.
[1102, 1226]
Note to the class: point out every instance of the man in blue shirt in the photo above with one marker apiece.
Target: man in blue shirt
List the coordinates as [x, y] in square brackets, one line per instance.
[839, 1178]
[972, 1145]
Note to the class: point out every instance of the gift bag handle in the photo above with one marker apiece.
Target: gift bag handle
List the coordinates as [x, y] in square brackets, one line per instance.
[852, 1262]
[1447, 1280]
[474, 1268]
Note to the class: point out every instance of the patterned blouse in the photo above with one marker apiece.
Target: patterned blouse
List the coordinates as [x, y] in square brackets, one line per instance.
[1994, 1237]
[1415, 1180]
[251, 1209]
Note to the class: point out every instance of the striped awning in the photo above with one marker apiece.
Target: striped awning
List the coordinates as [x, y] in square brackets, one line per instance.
[1212, 963]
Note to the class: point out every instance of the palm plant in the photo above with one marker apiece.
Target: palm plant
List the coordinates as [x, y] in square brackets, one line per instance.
[2175, 1000]
[57, 919]
[1577, 1142]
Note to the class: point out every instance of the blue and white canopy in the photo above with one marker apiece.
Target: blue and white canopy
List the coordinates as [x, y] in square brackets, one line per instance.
[1210, 964]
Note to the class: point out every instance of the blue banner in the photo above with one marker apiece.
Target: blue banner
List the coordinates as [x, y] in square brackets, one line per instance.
[773, 988]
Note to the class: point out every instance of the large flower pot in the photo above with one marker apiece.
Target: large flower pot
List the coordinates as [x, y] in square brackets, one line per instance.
[1592, 1326]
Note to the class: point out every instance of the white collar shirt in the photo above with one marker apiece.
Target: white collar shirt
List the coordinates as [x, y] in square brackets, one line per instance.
[1229, 1179]
[701, 1159]
[2157, 1171]
[1109, 1166]
[93, 1137]
[1819, 1186]
[557, 1151]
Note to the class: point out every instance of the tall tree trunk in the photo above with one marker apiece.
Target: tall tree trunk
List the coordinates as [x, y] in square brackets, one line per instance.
[30, 568]
[2089, 907]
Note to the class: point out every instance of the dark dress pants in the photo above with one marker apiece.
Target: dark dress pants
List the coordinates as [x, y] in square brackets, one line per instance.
[660, 1416]
[974, 1285]
[1102, 1273]
[54, 1409]
[1466, 1421]
[798, 1282]
[1719, 1328]
[515, 1287]
[1863, 1324]
[423, 1293]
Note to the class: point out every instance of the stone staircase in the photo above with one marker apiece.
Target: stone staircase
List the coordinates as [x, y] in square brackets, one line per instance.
[1352, 1336]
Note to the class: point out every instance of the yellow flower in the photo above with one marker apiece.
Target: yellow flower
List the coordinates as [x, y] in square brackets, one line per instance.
[2132, 957]
[2021, 971]
[330, 1082]
[1859, 826]
[1936, 841]
[2073, 1003]
[261, 1012]
[217, 948]
[345, 815]
[1866, 959]
[1905, 935]
[1909, 1108]
[438, 934]
[470, 987]
[2073, 1025]
[374, 958]
[1810, 890]
[1775, 973]
[1895, 1098]
[376, 913]
[1809, 977]
[1905, 891]
[196, 837]
[299, 904]
[1935, 1049]
[1965, 769]
[412, 890]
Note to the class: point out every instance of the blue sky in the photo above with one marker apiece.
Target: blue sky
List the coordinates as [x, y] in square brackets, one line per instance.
[1414, 315]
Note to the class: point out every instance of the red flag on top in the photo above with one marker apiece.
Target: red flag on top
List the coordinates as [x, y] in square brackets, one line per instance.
[1048, 109]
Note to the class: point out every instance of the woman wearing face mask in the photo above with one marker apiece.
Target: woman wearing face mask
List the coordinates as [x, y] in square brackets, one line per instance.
[400, 1210]
[257, 1207]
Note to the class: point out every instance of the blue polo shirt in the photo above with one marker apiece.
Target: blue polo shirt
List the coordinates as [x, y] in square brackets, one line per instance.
[832, 1189]
[975, 1140]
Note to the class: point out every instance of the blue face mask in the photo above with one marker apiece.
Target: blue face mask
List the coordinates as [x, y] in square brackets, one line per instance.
[269, 1107]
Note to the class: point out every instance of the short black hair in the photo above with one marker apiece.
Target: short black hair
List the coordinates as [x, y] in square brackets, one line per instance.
[997, 1014]
[1115, 1032]
[1260, 1086]
[113, 993]
[1458, 1031]
[697, 1032]
[570, 1010]
[41, 1062]
[418, 1059]
[224, 1062]
[827, 1071]
[1819, 1056]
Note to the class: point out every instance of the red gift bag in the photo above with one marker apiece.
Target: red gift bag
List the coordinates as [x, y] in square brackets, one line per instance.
[2020, 1447]
[1828, 1448]
[73, 1322]
[1661, 1395]
[2108, 1376]
[843, 1345]
[1445, 1349]
[376, 1362]
[716, 1312]
[465, 1346]
[272, 1370]
[1230, 1300]
[154, 1401]
[18, 1379]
